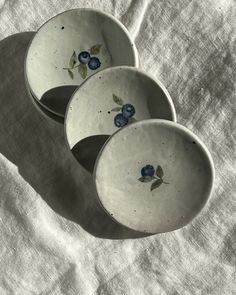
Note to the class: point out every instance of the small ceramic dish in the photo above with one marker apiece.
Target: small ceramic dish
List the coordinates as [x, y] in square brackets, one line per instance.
[108, 101]
[69, 48]
[154, 176]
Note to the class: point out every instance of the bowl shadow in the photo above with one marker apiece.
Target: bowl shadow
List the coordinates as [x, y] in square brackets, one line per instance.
[86, 150]
[44, 111]
[56, 99]
[36, 145]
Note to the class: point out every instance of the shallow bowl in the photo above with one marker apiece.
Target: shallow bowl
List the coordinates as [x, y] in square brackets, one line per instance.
[106, 102]
[154, 176]
[69, 48]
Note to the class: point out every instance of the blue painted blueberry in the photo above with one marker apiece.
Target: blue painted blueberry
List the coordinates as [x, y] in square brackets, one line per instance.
[128, 110]
[148, 170]
[84, 57]
[120, 120]
[94, 63]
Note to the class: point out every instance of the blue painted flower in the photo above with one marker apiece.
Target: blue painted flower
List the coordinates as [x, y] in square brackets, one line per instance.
[128, 110]
[120, 120]
[94, 63]
[84, 57]
[148, 170]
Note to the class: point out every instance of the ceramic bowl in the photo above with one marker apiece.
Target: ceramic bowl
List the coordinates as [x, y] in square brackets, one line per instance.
[106, 102]
[154, 176]
[69, 48]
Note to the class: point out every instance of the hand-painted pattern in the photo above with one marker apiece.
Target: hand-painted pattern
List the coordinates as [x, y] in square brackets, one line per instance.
[126, 112]
[85, 60]
[148, 172]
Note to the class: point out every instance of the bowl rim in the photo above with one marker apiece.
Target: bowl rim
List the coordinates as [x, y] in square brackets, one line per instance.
[176, 126]
[92, 10]
[128, 68]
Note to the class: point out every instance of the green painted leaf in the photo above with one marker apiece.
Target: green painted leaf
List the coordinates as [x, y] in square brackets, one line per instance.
[82, 69]
[70, 74]
[95, 49]
[156, 184]
[116, 109]
[146, 178]
[117, 100]
[159, 171]
[72, 60]
[132, 120]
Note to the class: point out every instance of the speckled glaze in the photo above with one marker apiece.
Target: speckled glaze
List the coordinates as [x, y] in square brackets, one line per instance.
[69, 48]
[111, 99]
[154, 176]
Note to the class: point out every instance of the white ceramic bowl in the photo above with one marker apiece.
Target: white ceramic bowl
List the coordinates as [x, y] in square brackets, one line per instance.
[69, 48]
[109, 100]
[154, 176]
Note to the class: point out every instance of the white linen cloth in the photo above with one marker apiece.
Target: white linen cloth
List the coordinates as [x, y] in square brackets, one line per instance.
[54, 237]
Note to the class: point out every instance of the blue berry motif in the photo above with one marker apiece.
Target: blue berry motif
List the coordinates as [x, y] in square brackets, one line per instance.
[94, 63]
[148, 170]
[84, 57]
[128, 110]
[120, 120]
[83, 61]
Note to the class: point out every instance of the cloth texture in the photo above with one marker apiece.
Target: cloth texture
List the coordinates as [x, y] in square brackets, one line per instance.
[55, 239]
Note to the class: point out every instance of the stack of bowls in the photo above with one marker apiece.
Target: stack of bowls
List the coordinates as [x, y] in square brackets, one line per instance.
[151, 173]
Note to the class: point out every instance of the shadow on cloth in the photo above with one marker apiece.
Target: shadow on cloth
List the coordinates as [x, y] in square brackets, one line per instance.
[37, 147]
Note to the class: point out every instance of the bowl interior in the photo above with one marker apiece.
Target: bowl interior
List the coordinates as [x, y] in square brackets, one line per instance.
[154, 176]
[96, 105]
[53, 56]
